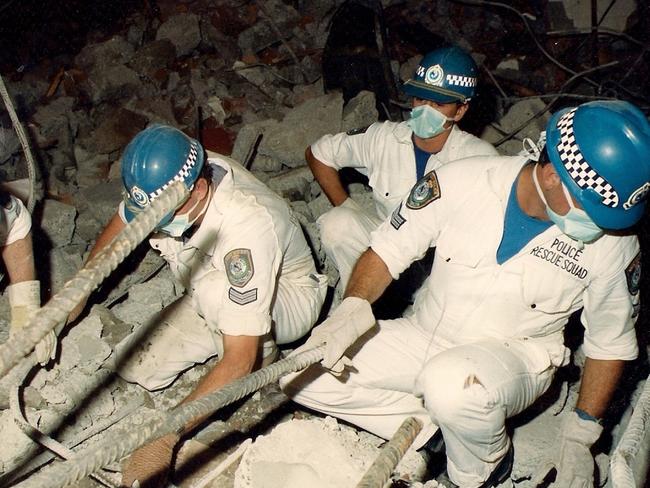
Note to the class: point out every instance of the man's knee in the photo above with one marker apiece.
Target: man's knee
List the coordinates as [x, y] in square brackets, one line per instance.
[146, 372]
[337, 225]
[452, 394]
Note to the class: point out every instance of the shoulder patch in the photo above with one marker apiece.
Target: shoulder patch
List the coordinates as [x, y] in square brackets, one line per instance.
[359, 130]
[425, 191]
[633, 274]
[242, 297]
[239, 267]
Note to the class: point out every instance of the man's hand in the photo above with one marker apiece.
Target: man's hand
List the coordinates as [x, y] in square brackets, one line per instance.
[25, 300]
[150, 465]
[574, 463]
[348, 322]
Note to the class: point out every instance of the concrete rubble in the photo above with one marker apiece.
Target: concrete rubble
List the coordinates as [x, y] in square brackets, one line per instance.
[247, 81]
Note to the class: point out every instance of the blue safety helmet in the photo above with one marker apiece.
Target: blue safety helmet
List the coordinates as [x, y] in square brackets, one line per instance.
[155, 158]
[600, 150]
[445, 75]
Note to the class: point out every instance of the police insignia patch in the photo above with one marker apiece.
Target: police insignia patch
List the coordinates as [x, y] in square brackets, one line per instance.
[633, 274]
[239, 267]
[425, 191]
[359, 130]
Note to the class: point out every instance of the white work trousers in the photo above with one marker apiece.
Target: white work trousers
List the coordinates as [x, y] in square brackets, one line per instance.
[177, 337]
[468, 390]
[345, 235]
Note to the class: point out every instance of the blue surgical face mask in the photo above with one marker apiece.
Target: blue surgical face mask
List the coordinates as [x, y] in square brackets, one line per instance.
[576, 223]
[179, 224]
[426, 121]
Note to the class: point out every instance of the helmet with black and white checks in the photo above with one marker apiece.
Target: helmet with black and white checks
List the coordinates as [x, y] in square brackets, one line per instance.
[446, 75]
[601, 151]
[154, 159]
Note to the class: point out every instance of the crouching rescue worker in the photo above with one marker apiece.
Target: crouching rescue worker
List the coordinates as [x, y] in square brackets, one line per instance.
[520, 245]
[394, 156]
[24, 290]
[248, 272]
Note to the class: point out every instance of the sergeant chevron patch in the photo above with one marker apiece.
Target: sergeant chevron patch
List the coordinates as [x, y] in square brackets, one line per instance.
[396, 219]
[242, 297]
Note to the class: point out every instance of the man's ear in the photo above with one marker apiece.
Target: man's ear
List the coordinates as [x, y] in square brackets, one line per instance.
[460, 111]
[200, 188]
[548, 177]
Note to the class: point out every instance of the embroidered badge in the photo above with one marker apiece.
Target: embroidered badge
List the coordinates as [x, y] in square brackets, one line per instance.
[637, 196]
[396, 219]
[242, 297]
[239, 267]
[633, 274]
[425, 191]
[359, 130]
[434, 75]
[139, 196]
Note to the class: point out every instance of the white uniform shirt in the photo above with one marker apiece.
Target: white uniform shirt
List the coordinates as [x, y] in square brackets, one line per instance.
[15, 221]
[249, 234]
[385, 154]
[469, 296]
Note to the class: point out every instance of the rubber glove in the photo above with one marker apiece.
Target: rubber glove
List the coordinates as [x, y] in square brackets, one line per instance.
[574, 463]
[351, 319]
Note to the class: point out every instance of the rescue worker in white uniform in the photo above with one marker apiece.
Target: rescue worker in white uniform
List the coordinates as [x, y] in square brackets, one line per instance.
[395, 155]
[248, 273]
[24, 291]
[519, 247]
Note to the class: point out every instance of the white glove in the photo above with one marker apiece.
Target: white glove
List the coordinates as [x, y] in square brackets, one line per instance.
[25, 300]
[351, 319]
[574, 463]
[351, 205]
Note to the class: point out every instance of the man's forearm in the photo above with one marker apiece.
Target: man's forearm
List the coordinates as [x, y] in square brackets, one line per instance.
[370, 277]
[240, 353]
[328, 179]
[599, 381]
[19, 260]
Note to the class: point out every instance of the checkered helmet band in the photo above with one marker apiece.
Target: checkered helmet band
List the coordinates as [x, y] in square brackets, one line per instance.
[183, 173]
[578, 168]
[457, 80]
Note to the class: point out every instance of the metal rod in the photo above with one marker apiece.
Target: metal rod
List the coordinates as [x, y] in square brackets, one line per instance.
[391, 454]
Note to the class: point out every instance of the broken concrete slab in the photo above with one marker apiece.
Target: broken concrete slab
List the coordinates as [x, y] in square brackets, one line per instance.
[146, 299]
[360, 112]
[115, 128]
[57, 222]
[92, 168]
[113, 52]
[9, 143]
[519, 113]
[111, 83]
[183, 31]
[293, 184]
[153, 56]
[63, 264]
[287, 141]
[262, 34]
[97, 204]
[53, 123]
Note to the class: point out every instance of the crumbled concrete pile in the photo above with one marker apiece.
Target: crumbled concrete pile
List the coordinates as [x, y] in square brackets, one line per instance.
[526, 111]
[316, 453]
